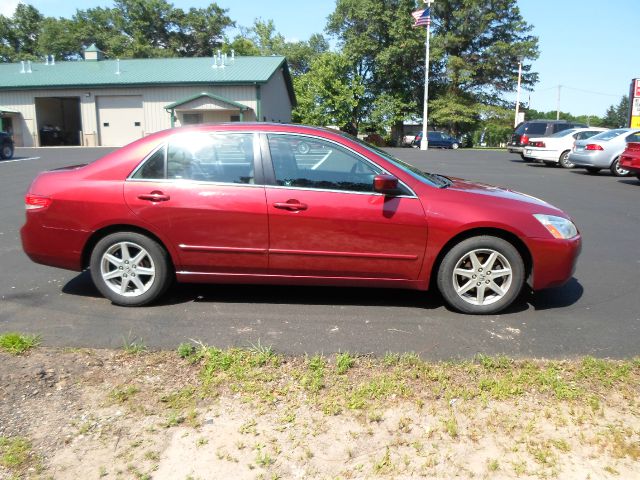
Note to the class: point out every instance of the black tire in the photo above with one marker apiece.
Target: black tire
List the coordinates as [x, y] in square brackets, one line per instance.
[6, 151]
[524, 159]
[547, 163]
[482, 246]
[156, 259]
[564, 160]
[593, 170]
[617, 170]
[638, 176]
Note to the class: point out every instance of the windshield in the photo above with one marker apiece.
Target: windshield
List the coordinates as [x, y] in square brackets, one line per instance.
[563, 133]
[429, 178]
[605, 136]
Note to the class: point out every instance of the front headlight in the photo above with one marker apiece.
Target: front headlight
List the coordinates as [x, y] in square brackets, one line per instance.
[559, 227]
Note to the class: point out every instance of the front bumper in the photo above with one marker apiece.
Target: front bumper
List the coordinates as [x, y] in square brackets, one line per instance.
[554, 261]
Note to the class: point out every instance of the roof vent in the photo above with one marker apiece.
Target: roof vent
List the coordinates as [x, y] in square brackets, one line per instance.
[22, 70]
[118, 66]
[29, 66]
[93, 53]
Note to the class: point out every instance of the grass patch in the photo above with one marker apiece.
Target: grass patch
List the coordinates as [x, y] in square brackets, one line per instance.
[17, 456]
[344, 361]
[18, 343]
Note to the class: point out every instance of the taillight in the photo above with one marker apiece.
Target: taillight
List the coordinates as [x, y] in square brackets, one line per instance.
[36, 202]
[593, 146]
[537, 144]
[524, 139]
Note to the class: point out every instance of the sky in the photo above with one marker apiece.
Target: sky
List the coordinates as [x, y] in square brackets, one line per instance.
[586, 46]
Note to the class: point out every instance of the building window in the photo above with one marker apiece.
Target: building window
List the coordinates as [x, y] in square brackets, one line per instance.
[191, 118]
[235, 118]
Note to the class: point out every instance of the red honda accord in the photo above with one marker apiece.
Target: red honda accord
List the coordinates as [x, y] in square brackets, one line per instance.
[243, 203]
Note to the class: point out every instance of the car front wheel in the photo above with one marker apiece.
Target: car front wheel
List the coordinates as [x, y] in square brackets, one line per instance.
[481, 275]
[130, 269]
[454, 146]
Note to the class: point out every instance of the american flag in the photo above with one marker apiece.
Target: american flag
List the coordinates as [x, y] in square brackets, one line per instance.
[422, 17]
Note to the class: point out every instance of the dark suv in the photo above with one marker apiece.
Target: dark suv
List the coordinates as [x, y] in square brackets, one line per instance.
[537, 128]
[6, 146]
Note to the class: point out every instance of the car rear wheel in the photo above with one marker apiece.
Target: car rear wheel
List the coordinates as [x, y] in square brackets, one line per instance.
[524, 159]
[617, 170]
[593, 170]
[481, 275]
[564, 160]
[6, 152]
[130, 269]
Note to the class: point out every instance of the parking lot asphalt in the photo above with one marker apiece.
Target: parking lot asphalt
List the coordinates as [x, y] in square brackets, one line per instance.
[597, 313]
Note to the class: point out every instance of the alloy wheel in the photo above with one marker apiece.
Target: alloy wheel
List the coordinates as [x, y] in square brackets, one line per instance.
[482, 276]
[127, 269]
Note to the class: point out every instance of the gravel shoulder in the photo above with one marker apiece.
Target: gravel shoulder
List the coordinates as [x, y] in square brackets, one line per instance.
[204, 413]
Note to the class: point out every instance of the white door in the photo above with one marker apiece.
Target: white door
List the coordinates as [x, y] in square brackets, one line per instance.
[120, 119]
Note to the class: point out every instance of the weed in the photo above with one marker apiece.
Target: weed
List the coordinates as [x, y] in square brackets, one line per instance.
[201, 442]
[121, 395]
[173, 419]
[390, 359]
[133, 345]
[183, 398]
[262, 457]
[493, 465]
[15, 452]
[313, 380]
[384, 464]
[18, 343]
[344, 361]
[451, 426]
[186, 350]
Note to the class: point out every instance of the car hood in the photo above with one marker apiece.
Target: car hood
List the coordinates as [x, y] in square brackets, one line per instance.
[502, 195]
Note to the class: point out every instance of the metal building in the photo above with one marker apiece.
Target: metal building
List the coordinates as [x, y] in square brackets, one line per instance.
[113, 102]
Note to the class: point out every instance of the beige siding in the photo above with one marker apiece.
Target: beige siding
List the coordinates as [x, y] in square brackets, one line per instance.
[276, 106]
[154, 100]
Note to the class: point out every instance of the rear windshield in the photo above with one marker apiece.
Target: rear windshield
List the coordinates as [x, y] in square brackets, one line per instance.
[608, 135]
[535, 128]
[563, 133]
[634, 138]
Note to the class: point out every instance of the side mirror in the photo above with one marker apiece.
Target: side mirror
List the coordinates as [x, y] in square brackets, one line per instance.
[387, 184]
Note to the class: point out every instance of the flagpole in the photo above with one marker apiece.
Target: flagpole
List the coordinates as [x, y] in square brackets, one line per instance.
[424, 143]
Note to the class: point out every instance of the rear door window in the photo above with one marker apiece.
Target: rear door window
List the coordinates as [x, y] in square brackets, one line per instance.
[558, 127]
[224, 158]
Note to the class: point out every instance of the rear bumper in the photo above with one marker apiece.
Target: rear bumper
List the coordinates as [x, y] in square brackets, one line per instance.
[514, 149]
[554, 261]
[55, 247]
[590, 160]
[630, 163]
[543, 155]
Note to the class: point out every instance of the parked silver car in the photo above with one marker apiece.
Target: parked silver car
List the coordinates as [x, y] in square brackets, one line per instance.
[602, 151]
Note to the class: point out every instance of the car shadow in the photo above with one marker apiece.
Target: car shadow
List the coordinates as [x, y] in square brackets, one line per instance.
[181, 293]
[630, 181]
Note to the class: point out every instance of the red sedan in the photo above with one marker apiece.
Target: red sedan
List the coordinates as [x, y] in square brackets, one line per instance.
[241, 203]
[630, 158]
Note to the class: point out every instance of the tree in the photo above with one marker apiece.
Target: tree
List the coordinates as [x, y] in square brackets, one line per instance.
[263, 39]
[476, 46]
[617, 116]
[19, 34]
[329, 92]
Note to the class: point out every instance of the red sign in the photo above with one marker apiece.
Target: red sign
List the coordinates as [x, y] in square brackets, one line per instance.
[637, 94]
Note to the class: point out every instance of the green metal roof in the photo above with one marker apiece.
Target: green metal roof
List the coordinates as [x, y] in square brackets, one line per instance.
[211, 96]
[92, 48]
[144, 72]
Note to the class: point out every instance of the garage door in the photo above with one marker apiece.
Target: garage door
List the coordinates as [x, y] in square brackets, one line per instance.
[120, 119]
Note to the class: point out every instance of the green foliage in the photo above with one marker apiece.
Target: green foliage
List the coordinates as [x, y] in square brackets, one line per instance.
[344, 361]
[330, 93]
[18, 343]
[132, 28]
[14, 452]
[617, 116]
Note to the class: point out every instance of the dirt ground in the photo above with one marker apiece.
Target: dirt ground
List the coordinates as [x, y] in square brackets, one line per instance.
[91, 414]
